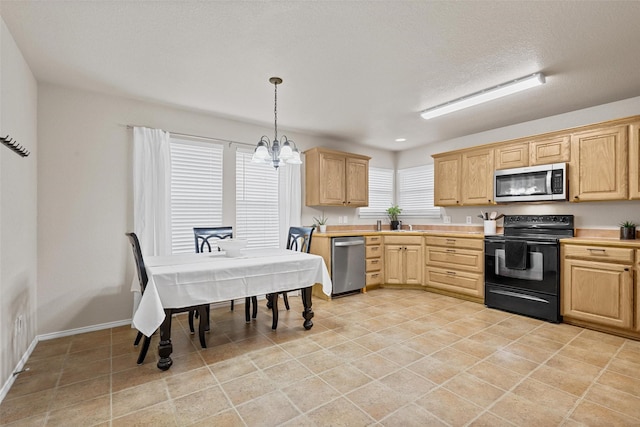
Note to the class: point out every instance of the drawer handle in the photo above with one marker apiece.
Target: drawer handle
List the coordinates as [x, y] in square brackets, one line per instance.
[374, 275]
[452, 273]
[374, 261]
[451, 251]
[596, 250]
[451, 240]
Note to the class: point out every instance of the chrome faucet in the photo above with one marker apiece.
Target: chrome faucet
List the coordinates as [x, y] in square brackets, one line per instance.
[410, 227]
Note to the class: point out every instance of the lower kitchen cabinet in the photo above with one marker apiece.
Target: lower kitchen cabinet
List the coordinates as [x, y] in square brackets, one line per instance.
[598, 287]
[373, 260]
[455, 265]
[403, 260]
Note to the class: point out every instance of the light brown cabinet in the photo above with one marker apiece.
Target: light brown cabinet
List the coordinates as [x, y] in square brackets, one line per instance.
[403, 260]
[335, 178]
[597, 286]
[373, 260]
[634, 161]
[474, 168]
[544, 151]
[599, 165]
[455, 265]
[447, 172]
[512, 156]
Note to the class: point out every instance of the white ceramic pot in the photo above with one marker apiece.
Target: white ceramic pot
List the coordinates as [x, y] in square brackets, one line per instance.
[323, 228]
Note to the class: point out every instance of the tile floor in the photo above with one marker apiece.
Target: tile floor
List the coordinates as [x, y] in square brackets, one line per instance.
[385, 358]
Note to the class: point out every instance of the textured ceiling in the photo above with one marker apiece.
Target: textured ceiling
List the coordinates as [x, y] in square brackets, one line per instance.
[354, 70]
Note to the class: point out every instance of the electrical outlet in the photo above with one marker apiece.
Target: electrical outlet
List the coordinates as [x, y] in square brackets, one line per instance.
[446, 219]
[339, 219]
[345, 220]
[469, 220]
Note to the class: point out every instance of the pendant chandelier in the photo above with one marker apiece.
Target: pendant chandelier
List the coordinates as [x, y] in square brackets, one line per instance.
[276, 152]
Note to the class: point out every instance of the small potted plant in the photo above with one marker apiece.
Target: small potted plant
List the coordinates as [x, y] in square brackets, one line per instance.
[627, 230]
[321, 222]
[393, 213]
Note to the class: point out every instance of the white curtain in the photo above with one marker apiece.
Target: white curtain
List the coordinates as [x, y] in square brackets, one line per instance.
[290, 200]
[151, 190]
[151, 195]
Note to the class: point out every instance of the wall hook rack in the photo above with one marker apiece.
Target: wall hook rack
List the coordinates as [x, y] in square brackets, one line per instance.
[13, 144]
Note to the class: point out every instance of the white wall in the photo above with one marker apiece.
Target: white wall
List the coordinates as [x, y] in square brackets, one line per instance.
[18, 179]
[85, 196]
[587, 215]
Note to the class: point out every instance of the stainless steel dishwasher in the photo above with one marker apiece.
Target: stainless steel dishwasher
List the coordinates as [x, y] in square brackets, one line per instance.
[347, 264]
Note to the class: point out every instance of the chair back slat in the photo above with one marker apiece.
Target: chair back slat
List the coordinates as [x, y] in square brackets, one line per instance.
[206, 236]
[299, 239]
[137, 255]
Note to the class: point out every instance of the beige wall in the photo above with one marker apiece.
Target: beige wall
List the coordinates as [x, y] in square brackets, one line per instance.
[18, 178]
[85, 197]
[587, 215]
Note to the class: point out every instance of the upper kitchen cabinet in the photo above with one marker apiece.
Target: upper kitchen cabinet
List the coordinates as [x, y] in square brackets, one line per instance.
[599, 164]
[512, 155]
[465, 178]
[447, 171]
[477, 177]
[545, 151]
[634, 161]
[335, 178]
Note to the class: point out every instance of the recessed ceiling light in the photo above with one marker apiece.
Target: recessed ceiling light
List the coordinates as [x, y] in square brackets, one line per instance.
[401, 139]
[485, 95]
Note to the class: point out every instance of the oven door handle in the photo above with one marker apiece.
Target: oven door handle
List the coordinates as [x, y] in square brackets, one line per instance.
[549, 189]
[529, 242]
[518, 295]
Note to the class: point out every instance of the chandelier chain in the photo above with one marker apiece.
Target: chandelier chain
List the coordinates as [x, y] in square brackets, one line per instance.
[275, 112]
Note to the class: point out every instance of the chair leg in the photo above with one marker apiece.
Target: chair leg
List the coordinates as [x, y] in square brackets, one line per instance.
[138, 338]
[268, 300]
[254, 300]
[144, 349]
[191, 315]
[231, 305]
[208, 318]
[286, 300]
[274, 310]
[204, 323]
[247, 309]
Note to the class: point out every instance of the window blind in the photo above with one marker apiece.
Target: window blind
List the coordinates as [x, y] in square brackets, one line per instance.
[196, 190]
[415, 192]
[380, 193]
[256, 202]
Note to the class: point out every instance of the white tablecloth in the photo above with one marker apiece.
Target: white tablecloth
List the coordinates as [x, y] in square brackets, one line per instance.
[185, 280]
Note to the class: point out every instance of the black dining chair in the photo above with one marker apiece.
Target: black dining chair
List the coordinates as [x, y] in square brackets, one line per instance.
[299, 240]
[144, 279]
[205, 238]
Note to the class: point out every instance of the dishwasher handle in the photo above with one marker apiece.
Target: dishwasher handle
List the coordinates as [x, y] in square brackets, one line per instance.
[352, 243]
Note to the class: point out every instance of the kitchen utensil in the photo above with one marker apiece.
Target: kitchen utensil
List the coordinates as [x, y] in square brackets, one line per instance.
[499, 216]
[484, 215]
[493, 215]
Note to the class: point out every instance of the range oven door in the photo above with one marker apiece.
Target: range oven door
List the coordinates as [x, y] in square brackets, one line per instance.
[532, 291]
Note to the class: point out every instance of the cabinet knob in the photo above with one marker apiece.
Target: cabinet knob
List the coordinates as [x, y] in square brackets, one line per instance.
[576, 197]
[626, 269]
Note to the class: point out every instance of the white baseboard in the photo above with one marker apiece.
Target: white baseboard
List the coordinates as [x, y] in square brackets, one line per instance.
[7, 385]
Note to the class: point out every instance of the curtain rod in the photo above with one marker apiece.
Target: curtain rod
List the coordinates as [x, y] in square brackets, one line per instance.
[208, 138]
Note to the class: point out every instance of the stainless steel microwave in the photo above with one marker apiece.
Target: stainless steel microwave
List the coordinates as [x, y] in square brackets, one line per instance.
[533, 183]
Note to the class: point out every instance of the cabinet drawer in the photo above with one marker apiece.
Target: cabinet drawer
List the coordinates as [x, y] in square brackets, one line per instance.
[373, 251]
[374, 264]
[455, 242]
[599, 253]
[372, 240]
[374, 278]
[467, 259]
[402, 240]
[461, 282]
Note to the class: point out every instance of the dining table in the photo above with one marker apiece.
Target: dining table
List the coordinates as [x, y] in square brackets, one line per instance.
[187, 280]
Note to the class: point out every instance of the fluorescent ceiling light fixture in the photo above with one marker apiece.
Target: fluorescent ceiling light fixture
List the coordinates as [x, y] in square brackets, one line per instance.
[401, 139]
[485, 95]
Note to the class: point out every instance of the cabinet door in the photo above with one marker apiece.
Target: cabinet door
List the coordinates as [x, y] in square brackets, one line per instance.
[598, 292]
[455, 258]
[332, 175]
[447, 180]
[459, 282]
[357, 182]
[598, 168]
[634, 161]
[512, 156]
[637, 293]
[550, 150]
[413, 265]
[393, 264]
[477, 177]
